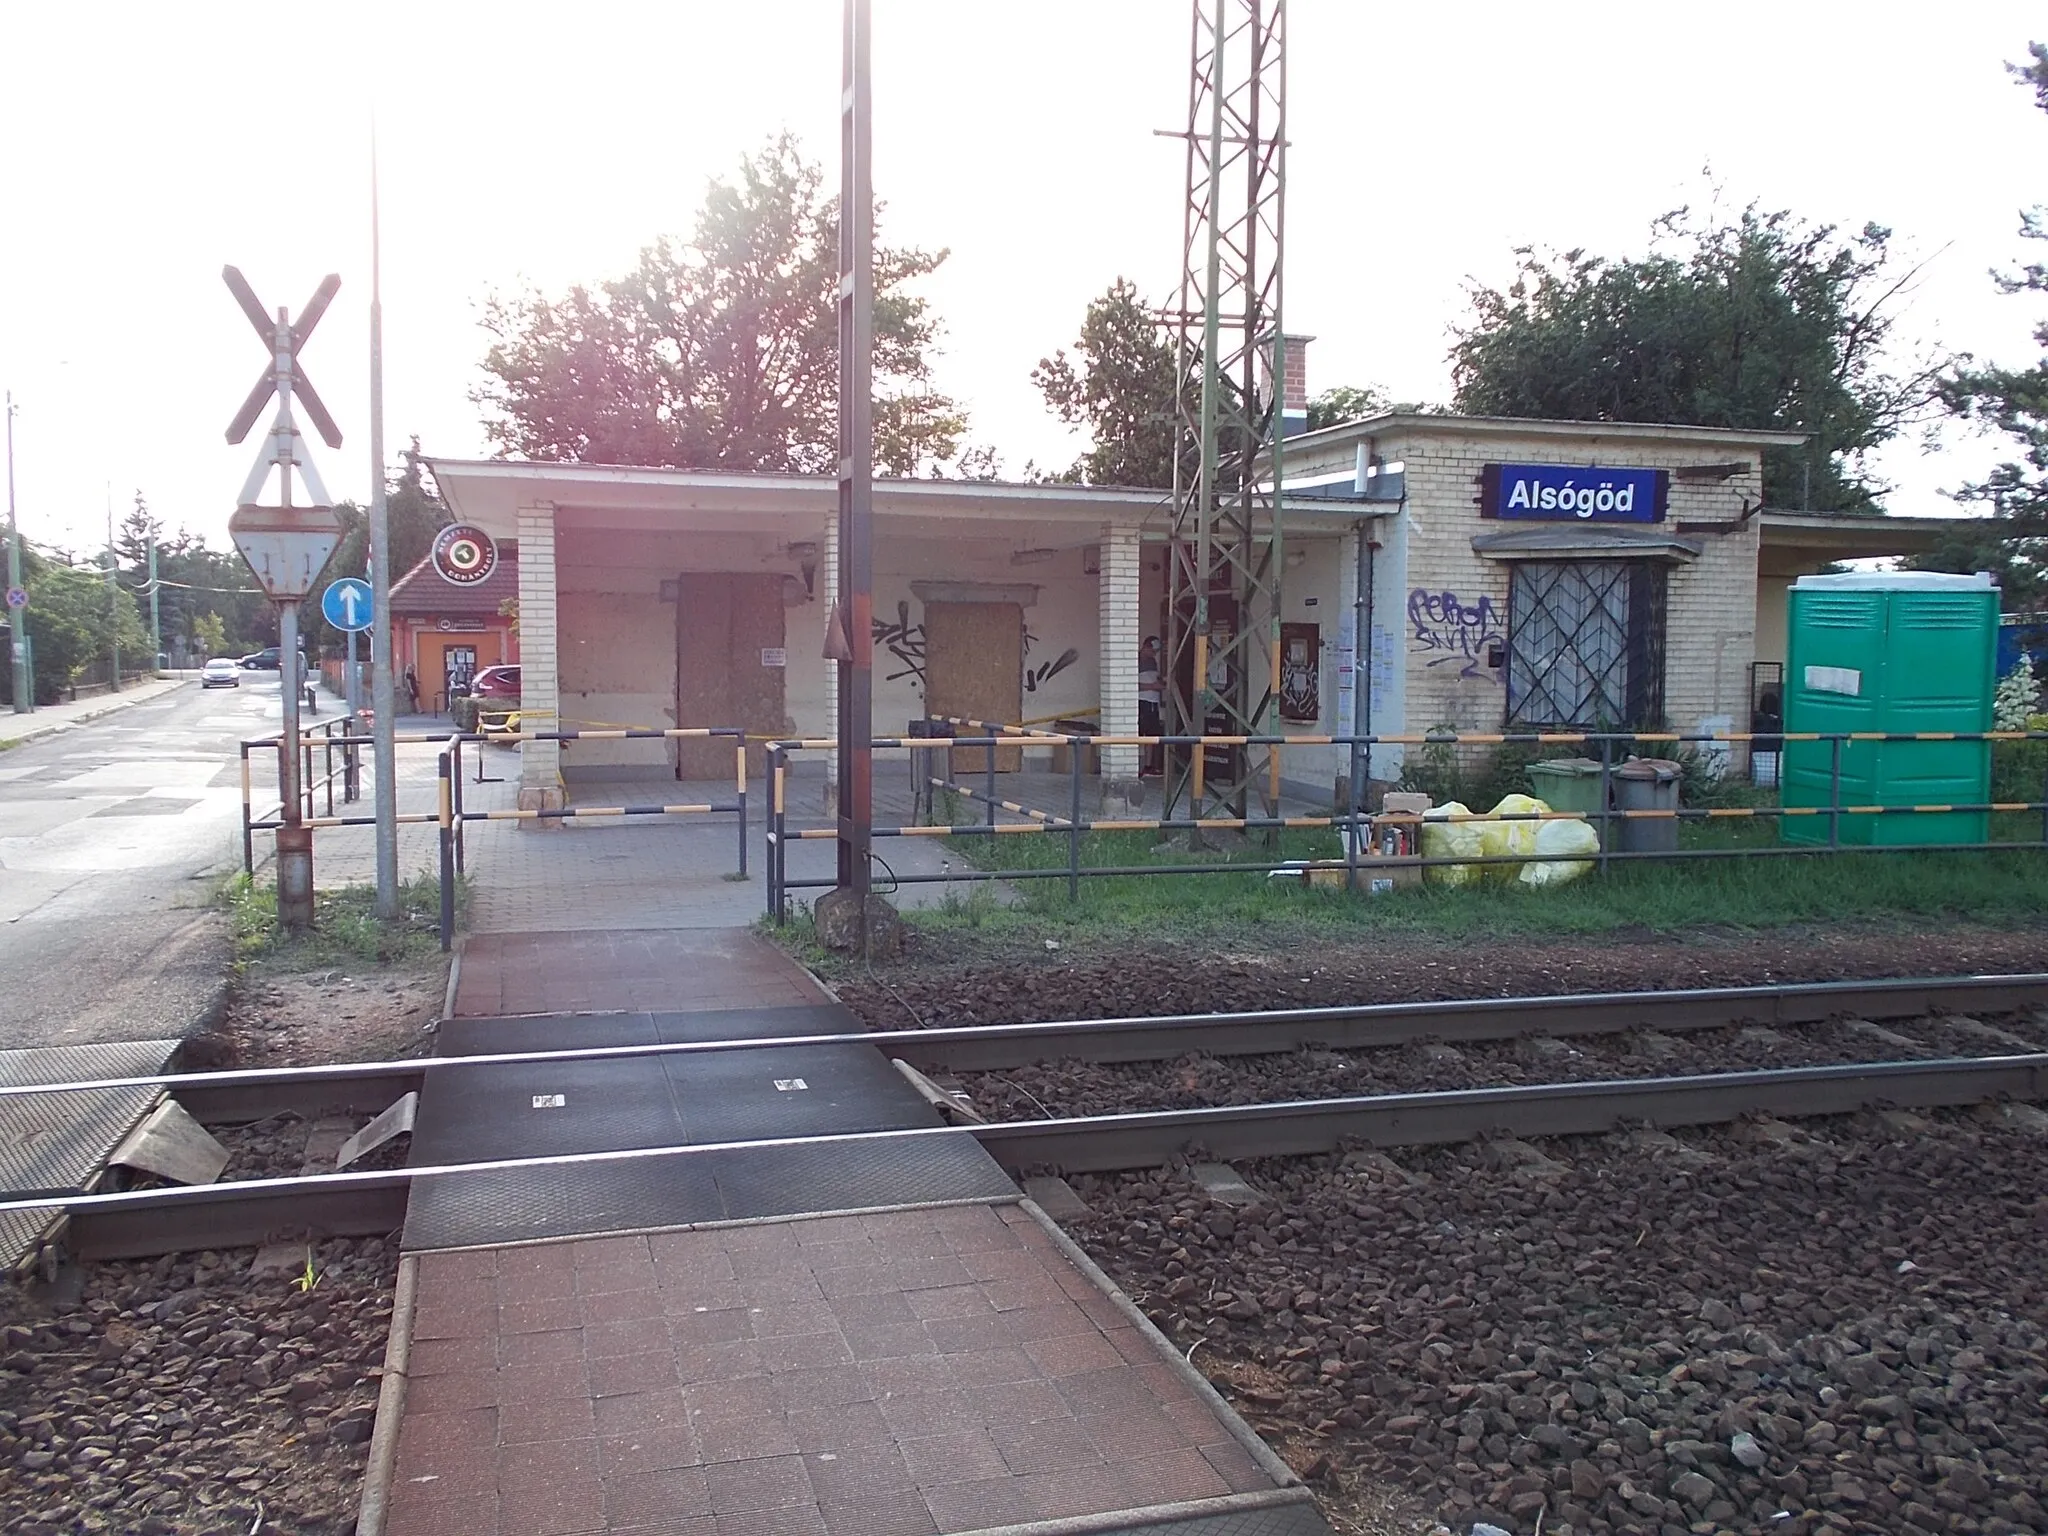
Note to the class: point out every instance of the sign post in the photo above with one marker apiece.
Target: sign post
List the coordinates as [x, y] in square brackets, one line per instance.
[286, 547]
[349, 606]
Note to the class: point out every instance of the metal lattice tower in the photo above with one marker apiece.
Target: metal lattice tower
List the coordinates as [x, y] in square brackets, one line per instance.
[1223, 584]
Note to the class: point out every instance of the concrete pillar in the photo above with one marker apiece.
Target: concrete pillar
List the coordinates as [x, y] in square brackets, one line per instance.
[1117, 669]
[540, 695]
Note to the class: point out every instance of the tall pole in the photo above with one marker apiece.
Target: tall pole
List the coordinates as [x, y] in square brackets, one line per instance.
[17, 618]
[383, 692]
[113, 599]
[156, 621]
[855, 604]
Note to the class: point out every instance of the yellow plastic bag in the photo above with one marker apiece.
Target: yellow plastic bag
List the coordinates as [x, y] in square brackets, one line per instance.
[1442, 839]
[1510, 839]
[1554, 837]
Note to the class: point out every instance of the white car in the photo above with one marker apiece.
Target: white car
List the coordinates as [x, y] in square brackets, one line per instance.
[221, 673]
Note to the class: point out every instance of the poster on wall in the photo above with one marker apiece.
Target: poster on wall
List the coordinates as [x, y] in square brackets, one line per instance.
[1301, 678]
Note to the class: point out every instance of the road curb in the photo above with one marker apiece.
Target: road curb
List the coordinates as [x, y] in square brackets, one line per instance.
[383, 1457]
[113, 706]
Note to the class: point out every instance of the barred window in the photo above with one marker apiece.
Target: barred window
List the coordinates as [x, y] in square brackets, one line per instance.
[1586, 644]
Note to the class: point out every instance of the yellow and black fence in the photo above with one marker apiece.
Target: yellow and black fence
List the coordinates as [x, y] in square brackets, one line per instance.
[1616, 749]
[453, 817]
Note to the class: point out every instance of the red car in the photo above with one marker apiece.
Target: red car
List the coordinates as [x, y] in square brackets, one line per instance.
[496, 683]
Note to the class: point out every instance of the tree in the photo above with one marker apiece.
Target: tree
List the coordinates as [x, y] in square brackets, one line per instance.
[722, 351]
[1345, 403]
[209, 635]
[1765, 322]
[73, 623]
[2015, 401]
[1122, 390]
[415, 511]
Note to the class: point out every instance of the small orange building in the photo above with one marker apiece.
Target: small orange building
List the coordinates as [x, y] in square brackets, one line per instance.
[447, 634]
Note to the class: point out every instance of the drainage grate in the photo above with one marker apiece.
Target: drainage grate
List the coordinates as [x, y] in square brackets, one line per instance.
[59, 1142]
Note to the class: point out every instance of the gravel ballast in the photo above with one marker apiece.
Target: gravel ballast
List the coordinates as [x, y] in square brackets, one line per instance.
[1069, 1088]
[189, 1396]
[1841, 1326]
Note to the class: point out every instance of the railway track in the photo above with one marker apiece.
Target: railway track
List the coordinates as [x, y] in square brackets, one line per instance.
[233, 1097]
[256, 1210]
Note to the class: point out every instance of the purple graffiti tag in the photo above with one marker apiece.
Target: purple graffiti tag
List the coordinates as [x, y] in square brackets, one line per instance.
[1463, 632]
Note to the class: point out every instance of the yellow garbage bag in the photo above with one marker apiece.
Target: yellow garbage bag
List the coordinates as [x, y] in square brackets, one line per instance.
[1510, 839]
[1442, 839]
[1555, 837]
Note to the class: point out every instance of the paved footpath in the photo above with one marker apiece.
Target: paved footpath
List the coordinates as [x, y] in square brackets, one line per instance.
[899, 1371]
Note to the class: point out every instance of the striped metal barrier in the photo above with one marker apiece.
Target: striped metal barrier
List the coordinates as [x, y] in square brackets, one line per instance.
[1038, 822]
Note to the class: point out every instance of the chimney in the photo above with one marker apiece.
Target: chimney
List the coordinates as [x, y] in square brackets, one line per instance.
[1294, 388]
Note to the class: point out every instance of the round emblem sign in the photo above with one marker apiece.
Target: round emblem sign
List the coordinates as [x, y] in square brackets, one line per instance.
[464, 555]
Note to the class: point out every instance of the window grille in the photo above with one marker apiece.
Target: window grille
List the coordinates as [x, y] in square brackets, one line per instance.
[1586, 644]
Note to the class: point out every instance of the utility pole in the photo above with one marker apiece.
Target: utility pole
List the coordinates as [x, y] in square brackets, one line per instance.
[113, 597]
[156, 621]
[383, 688]
[1226, 554]
[17, 614]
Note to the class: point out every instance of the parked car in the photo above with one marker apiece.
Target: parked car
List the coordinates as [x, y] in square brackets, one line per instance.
[264, 660]
[496, 683]
[221, 673]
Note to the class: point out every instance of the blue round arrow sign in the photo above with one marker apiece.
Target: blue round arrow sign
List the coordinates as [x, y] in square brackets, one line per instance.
[346, 603]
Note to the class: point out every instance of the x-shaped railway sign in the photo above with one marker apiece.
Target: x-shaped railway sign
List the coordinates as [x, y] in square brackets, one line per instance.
[285, 545]
[284, 379]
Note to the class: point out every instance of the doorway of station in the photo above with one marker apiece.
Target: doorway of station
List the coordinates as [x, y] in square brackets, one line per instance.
[730, 666]
[974, 668]
[448, 665]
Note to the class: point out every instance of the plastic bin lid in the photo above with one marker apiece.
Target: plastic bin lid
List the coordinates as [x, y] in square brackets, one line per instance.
[1662, 769]
[1897, 581]
[1581, 766]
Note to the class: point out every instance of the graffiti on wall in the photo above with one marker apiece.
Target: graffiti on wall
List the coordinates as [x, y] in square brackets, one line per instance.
[1461, 632]
[905, 642]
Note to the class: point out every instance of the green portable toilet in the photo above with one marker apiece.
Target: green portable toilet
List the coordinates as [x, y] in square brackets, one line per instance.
[1890, 652]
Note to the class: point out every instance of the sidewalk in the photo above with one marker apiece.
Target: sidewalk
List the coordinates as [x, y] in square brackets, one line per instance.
[933, 1357]
[48, 719]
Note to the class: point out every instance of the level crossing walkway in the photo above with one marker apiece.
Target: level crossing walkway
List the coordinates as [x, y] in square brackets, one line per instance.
[875, 1336]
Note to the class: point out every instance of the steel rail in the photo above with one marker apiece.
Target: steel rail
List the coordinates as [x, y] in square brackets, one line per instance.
[226, 1097]
[253, 1211]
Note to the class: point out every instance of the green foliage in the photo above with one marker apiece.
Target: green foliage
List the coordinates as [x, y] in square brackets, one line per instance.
[1344, 403]
[416, 513]
[74, 618]
[209, 635]
[2019, 769]
[2015, 402]
[193, 583]
[1767, 891]
[346, 928]
[1120, 386]
[721, 351]
[1763, 322]
[463, 712]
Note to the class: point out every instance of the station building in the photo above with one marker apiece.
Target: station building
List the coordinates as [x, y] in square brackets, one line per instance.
[1502, 573]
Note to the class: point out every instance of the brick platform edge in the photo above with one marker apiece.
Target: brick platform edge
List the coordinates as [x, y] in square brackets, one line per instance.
[390, 1400]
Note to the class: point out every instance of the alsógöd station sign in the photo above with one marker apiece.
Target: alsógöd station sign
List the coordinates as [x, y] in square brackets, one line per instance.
[1573, 493]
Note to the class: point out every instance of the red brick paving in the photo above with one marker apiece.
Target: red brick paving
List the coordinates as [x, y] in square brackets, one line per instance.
[896, 1374]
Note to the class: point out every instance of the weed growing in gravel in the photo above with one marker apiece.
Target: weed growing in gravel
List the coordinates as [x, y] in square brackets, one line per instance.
[345, 925]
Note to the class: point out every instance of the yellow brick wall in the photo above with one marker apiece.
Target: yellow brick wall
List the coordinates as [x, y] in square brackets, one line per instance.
[1462, 597]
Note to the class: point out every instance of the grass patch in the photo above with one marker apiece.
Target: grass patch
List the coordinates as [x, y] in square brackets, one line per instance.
[346, 928]
[1996, 886]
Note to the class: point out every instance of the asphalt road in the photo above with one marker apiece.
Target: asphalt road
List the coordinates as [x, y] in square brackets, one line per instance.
[113, 836]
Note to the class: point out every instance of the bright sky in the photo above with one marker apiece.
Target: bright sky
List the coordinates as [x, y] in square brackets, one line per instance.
[146, 145]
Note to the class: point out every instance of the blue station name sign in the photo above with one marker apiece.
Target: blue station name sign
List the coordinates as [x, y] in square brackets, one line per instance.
[1573, 493]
